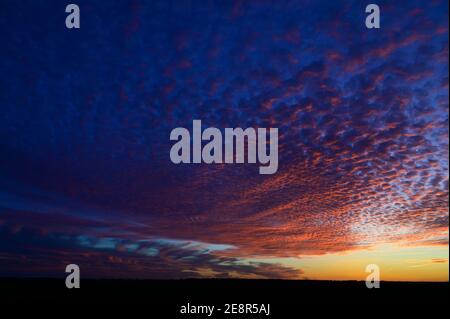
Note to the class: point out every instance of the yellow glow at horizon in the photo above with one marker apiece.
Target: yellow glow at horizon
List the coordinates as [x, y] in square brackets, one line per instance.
[397, 263]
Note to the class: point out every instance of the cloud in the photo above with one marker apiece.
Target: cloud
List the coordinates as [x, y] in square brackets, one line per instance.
[84, 127]
[39, 253]
[439, 261]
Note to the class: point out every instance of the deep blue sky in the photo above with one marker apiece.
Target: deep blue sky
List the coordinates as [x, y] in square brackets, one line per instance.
[85, 173]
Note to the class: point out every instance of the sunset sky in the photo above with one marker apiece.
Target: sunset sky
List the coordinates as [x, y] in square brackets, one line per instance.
[362, 114]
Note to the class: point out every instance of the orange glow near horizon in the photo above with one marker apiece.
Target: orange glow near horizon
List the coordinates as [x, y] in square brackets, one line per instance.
[396, 262]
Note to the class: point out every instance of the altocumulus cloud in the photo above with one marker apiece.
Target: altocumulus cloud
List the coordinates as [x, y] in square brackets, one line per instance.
[86, 118]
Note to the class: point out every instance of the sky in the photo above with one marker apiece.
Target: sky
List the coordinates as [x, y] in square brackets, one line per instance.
[86, 114]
